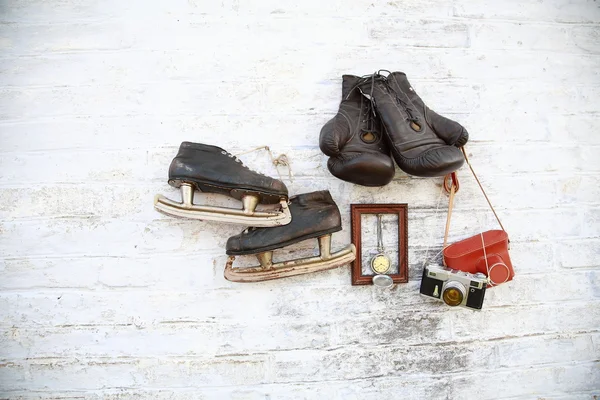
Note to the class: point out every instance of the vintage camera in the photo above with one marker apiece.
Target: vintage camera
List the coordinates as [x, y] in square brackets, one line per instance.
[454, 287]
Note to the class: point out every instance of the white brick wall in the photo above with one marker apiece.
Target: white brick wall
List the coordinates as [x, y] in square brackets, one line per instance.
[102, 297]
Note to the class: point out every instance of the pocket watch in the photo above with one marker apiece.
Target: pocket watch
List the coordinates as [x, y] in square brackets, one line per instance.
[381, 263]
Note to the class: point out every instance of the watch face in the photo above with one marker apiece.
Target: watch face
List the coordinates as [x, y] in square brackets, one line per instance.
[380, 264]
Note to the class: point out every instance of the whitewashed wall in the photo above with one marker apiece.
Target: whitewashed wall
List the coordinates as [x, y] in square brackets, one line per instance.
[102, 297]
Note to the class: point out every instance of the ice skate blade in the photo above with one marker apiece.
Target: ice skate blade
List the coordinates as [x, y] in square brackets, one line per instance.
[223, 214]
[268, 270]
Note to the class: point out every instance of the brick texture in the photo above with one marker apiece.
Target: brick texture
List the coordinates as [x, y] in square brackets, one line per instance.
[101, 297]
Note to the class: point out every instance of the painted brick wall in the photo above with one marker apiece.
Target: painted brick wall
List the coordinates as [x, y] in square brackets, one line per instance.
[102, 297]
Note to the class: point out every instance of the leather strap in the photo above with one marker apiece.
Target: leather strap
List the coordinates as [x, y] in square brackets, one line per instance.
[481, 187]
[453, 189]
[450, 205]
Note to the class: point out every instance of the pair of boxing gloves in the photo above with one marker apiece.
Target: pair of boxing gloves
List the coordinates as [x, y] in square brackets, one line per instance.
[381, 115]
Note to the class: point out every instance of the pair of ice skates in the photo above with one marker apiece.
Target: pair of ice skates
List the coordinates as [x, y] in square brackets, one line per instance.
[281, 220]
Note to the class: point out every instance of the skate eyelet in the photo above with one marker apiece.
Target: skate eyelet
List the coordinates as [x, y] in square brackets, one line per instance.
[368, 137]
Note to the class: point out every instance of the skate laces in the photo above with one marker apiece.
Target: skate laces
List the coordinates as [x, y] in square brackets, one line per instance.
[228, 154]
[370, 116]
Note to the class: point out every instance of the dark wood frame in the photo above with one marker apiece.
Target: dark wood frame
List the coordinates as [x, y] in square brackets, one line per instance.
[356, 210]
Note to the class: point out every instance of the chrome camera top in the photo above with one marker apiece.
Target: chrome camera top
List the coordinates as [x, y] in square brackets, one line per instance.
[454, 287]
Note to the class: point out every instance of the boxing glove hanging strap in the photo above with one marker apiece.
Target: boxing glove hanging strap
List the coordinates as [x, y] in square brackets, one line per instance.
[454, 187]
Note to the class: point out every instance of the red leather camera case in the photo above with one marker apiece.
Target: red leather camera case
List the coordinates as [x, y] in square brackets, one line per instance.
[467, 255]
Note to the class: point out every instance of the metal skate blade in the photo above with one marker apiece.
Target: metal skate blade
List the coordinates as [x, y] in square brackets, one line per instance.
[289, 268]
[223, 214]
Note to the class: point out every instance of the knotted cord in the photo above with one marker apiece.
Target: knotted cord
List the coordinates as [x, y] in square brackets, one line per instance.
[280, 160]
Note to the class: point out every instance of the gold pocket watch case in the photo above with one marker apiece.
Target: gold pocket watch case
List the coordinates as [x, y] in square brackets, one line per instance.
[381, 264]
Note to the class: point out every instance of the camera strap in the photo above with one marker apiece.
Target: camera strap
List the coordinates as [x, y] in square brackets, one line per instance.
[451, 185]
[437, 209]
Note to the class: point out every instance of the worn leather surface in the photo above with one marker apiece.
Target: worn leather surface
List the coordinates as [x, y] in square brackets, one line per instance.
[211, 165]
[354, 141]
[467, 255]
[313, 215]
[422, 142]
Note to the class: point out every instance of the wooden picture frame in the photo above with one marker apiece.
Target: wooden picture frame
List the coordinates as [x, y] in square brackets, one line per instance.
[357, 211]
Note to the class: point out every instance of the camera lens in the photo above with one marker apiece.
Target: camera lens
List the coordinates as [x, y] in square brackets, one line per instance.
[453, 294]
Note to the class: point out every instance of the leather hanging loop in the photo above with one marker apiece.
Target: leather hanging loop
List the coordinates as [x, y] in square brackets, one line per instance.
[450, 180]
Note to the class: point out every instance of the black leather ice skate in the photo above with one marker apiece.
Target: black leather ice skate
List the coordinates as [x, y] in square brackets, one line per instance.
[314, 215]
[211, 169]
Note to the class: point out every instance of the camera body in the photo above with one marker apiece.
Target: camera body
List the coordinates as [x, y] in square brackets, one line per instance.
[454, 287]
